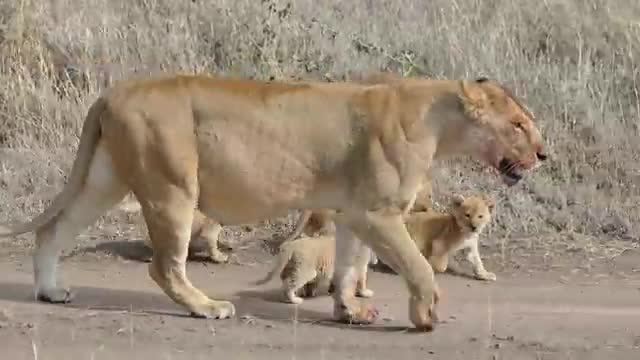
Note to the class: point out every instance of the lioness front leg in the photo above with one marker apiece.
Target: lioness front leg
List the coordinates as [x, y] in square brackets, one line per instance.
[386, 234]
[169, 218]
[478, 267]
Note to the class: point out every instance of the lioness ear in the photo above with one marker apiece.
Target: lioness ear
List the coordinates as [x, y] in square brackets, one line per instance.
[474, 99]
[457, 200]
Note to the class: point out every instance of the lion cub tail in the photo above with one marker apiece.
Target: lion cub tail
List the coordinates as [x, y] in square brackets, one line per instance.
[284, 255]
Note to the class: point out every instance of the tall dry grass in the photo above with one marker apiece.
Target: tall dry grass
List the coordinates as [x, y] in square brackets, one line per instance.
[573, 61]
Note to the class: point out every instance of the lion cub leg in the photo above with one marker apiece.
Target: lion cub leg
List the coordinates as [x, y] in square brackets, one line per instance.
[296, 280]
[478, 267]
[168, 212]
[208, 230]
[439, 258]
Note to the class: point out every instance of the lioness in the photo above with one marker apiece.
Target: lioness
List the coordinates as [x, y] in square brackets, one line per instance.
[246, 150]
[308, 263]
[441, 235]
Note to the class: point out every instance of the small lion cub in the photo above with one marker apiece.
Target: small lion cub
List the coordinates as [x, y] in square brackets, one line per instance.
[441, 235]
[307, 263]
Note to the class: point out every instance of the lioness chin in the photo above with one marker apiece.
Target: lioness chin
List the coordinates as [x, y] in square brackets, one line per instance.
[248, 150]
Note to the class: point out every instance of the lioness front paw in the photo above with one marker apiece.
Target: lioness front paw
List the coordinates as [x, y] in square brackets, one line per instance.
[364, 293]
[486, 275]
[55, 295]
[355, 312]
[422, 313]
[215, 310]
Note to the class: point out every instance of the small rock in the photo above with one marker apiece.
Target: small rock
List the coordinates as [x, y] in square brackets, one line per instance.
[4, 315]
[431, 352]
[497, 346]
[270, 326]
[473, 339]
[248, 319]
[387, 319]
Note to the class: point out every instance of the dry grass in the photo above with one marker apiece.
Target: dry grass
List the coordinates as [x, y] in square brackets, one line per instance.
[574, 61]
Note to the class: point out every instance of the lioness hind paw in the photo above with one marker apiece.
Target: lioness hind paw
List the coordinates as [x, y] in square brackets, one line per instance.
[56, 296]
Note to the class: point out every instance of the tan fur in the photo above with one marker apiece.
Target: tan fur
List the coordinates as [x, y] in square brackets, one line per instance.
[247, 150]
[204, 233]
[441, 235]
[306, 264]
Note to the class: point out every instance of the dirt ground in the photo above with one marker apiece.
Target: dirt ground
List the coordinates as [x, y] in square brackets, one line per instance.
[531, 312]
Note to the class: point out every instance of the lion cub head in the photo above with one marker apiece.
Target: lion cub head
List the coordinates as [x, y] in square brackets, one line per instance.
[473, 213]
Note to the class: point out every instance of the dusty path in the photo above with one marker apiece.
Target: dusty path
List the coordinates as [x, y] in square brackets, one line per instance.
[120, 314]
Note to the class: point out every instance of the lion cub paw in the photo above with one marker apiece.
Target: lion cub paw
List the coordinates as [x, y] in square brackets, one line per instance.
[218, 257]
[364, 293]
[292, 298]
[216, 310]
[355, 312]
[486, 276]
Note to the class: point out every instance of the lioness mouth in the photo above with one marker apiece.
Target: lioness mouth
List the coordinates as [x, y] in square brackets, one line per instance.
[509, 172]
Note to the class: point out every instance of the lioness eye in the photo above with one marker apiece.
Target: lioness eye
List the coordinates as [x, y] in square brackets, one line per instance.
[479, 216]
[468, 216]
[519, 126]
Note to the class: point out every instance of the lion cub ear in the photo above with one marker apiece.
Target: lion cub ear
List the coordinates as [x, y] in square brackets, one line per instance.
[489, 201]
[474, 98]
[457, 200]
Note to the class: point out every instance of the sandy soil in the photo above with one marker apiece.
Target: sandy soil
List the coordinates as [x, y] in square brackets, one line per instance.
[119, 313]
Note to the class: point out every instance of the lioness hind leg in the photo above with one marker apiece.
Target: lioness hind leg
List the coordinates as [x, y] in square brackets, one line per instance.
[169, 219]
[101, 191]
[346, 308]
[362, 266]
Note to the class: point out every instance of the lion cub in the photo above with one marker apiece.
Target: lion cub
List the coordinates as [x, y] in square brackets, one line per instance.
[307, 263]
[440, 235]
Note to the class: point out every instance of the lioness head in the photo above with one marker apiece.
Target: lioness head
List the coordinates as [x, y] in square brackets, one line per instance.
[505, 135]
[472, 213]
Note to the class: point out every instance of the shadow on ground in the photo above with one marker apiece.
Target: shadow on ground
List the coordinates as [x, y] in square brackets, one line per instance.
[262, 305]
[135, 250]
